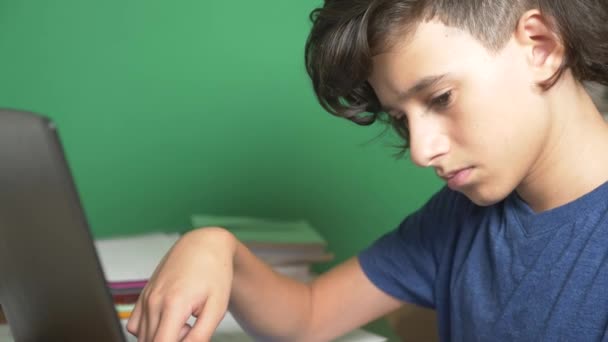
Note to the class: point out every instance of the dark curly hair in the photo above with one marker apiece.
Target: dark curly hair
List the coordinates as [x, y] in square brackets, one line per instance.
[346, 34]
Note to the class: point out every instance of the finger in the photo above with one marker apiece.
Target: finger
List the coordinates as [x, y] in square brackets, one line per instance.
[172, 320]
[184, 331]
[152, 312]
[143, 319]
[207, 321]
[133, 322]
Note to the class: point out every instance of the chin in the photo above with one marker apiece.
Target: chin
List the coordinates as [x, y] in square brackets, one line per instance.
[484, 196]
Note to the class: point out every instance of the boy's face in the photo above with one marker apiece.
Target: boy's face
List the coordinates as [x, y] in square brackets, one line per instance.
[477, 118]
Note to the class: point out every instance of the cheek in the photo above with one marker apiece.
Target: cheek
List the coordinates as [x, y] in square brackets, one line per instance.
[496, 108]
[484, 121]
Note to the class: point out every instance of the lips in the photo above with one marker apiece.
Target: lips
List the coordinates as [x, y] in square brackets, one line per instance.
[458, 178]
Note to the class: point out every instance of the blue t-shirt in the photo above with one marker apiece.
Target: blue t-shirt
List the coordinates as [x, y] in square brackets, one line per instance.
[502, 272]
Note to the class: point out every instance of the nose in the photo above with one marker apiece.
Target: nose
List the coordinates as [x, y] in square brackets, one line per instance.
[428, 142]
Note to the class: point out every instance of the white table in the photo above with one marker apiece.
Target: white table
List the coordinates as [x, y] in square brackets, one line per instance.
[229, 331]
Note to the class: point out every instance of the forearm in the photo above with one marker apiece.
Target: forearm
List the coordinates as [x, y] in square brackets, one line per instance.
[265, 303]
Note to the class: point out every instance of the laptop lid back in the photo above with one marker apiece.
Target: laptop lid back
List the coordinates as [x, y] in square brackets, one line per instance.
[51, 283]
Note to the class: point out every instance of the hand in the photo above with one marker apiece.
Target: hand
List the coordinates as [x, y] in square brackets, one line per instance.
[194, 278]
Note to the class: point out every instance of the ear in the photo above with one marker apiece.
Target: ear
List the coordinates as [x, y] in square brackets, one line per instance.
[542, 46]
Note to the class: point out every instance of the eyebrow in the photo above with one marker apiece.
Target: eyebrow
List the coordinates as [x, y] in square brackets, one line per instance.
[420, 86]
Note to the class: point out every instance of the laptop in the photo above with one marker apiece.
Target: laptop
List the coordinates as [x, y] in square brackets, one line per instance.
[52, 287]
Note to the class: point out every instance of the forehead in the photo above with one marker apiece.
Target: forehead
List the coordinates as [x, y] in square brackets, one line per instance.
[432, 49]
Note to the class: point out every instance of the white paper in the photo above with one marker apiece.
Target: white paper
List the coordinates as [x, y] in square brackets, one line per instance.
[135, 257]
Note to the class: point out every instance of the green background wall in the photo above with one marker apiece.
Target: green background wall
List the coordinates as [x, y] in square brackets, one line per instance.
[168, 108]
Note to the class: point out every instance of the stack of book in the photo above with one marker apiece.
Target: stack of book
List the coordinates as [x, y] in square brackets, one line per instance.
[125, 295]
[128, 262]
[290, 247]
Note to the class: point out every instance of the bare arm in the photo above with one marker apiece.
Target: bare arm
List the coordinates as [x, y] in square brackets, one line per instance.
[209, 270]
[273, 306]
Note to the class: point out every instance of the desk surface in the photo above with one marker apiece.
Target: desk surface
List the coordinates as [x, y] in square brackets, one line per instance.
[144, 253]
[229, 330]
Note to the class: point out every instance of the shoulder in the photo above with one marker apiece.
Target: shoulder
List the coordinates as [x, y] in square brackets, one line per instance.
[406, 261]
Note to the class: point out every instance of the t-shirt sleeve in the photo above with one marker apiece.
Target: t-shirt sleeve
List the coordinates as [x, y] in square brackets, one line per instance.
[404, 262]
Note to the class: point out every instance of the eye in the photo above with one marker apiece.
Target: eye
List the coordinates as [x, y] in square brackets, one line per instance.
[442, 101]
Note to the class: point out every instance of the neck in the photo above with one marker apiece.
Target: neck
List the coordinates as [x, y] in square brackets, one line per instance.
[575, 158]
